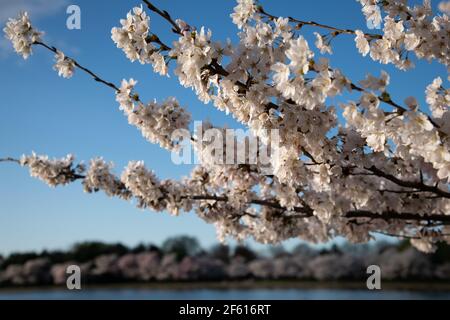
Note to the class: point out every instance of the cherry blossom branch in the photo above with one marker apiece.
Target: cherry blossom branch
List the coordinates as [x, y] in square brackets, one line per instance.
[401, 236]
[409, 184]
[176, 29]
[89, 72]
[154, 38]
[305, 210]
[301, 23]
[153, 136]
[164, 14]
[405, 236]
[419, 187]
[216, 68]
[73, 176]
[8, 159]
[383, 98]
[308, 212]
[393, 215]
[401, 191]
[69, 173]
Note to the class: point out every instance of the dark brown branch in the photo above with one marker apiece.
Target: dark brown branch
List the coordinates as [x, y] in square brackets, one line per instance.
[164, 14]
[275, 205]
[305, 210]
[9, 159]
[409, 184]
[301, 23]
[393, 215]
[71, 174]
[442, 235]
[310, 156]
[396, 235]
[154, 38]
[383, 98]
[92, 74]
[401, 191]
[308, 212]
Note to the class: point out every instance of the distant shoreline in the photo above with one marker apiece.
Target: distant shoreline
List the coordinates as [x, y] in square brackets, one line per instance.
[433, 286]
[185, 265]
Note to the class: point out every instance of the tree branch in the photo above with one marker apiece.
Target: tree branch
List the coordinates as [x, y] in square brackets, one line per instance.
[301, 23]
[409, 184]
[385, 99]
[9, 159]
[164, 14]
[442, 235]
[305, 210]
[92, 74]
[393, 215]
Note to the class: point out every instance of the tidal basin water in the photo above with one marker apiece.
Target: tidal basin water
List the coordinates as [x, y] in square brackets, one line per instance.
[218, 294]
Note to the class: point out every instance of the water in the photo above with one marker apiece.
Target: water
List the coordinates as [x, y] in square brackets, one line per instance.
[216, 294]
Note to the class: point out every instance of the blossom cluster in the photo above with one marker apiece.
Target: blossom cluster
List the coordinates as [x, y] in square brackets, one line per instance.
[406, 29]
[22, 35]
[99, 177]
[412, 132]
[134, 39]
[152, 193]
[136, 182]
[65, 66]
[157, 121]
[194, 53]
[243, 12]
[54, 172]
[438, 98]
[372, 12]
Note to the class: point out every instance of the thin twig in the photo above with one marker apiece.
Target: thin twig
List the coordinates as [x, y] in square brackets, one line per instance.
[92, 74]
[319, 25]
[406, 236]
[393, 215]
[164, 14]
[408, 184]
[395, 235]
[9, 159]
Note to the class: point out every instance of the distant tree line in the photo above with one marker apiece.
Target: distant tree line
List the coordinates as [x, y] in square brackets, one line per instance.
[182, 258]
[180, 246]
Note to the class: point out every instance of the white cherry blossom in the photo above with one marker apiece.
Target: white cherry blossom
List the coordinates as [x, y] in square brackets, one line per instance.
[65, 66]
[21, 34]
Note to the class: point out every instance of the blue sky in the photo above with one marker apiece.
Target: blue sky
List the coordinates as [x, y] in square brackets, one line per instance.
[40, 111]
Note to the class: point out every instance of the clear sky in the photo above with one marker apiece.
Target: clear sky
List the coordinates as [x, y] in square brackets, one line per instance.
[40, 111]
